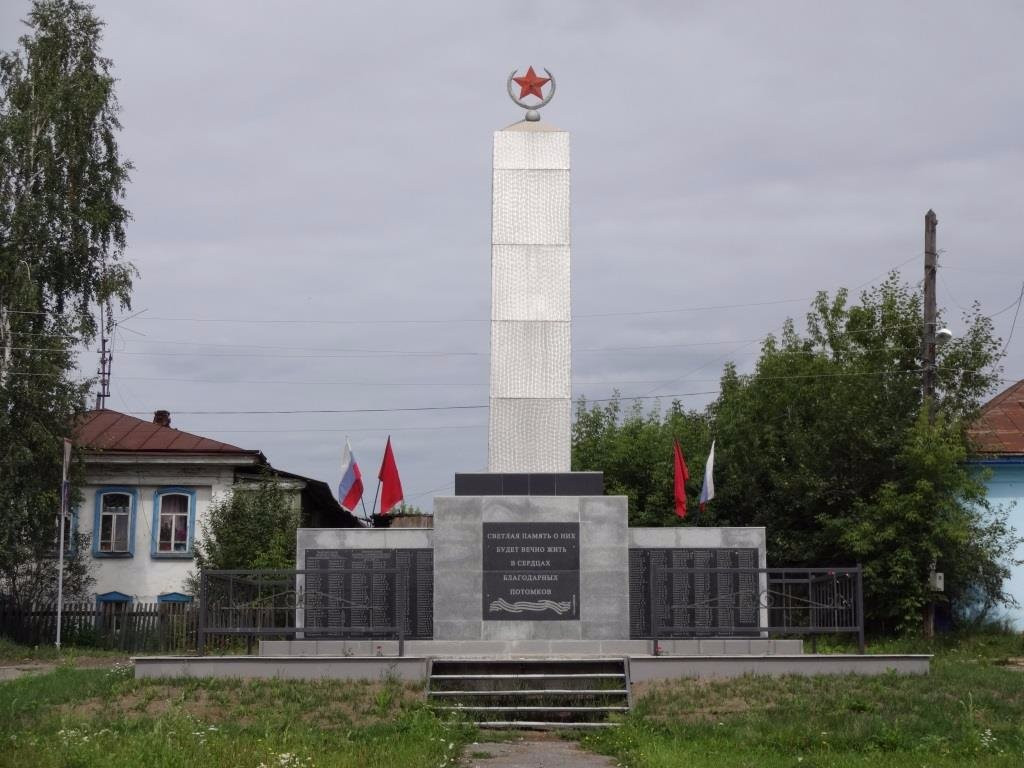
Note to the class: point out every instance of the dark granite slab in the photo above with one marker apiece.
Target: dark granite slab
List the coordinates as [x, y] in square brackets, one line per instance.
[529, 483]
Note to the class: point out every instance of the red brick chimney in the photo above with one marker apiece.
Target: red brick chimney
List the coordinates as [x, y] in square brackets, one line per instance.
[163, 418]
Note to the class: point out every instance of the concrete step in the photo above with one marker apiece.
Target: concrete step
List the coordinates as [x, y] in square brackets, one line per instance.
[548, 693]
[536, 692]
[534, 708]
[540, 725]
[538, 676]
[515, 649]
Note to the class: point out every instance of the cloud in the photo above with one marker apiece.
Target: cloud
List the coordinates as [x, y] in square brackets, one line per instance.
[331, 162]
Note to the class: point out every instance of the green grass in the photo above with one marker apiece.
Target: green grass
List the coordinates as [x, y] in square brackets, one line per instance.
[968, 712]
[12, 653]
[79, 718]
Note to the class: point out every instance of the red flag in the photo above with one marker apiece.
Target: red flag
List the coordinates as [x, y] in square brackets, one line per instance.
[391, 483]
[682, 475]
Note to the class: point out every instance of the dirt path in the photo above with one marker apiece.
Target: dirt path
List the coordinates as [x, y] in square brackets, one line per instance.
[14, 671]
[532, 753]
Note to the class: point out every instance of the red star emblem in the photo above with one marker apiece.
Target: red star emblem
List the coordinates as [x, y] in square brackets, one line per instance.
[530, 84]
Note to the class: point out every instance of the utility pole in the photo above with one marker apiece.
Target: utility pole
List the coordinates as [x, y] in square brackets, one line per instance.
[931, 258]
[104, 370]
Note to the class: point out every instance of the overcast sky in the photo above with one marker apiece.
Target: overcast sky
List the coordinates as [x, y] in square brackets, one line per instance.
[329, 162]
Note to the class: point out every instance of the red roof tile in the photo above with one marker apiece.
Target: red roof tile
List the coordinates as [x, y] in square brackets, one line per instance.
[1000, 427]
[113, 431]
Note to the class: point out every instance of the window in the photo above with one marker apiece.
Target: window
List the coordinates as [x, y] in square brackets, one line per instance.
[174, 597]
[113, 532]
[173, 523]
[113, 606]
[174, 516]
[113, 598]
[115, 516]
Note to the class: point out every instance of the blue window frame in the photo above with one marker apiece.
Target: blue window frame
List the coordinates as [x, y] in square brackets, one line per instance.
[113, 527]
[114, 597]
[174, 597]
[174, 522]
[111, 610]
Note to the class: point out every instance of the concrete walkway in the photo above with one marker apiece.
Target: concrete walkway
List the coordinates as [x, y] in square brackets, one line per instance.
[532, 753]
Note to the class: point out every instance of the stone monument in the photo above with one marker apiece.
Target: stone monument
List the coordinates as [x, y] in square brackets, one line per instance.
[532, 551]
[531, 388]
[529, 553]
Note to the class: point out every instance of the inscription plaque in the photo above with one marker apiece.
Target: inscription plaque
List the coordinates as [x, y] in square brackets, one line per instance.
[366, 603]
[531, 571]
[694, 603]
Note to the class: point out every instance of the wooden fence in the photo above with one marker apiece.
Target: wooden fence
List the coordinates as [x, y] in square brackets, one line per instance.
[129, 627]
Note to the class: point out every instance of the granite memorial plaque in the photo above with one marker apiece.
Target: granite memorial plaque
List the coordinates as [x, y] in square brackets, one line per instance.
[531, 571]
[367, 601]
[698, 602]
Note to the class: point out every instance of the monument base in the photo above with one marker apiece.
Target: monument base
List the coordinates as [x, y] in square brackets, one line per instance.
[531, 568]
[520, 569]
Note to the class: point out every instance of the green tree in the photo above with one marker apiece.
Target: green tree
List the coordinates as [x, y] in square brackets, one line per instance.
[825, 445]
[634, 450]
[62, 241]
[250, 527]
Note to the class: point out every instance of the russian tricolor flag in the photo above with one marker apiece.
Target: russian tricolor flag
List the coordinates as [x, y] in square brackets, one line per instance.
[350, 490]
[707, 491]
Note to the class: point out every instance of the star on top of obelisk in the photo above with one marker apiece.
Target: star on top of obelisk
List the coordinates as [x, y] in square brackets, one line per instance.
[531, 84]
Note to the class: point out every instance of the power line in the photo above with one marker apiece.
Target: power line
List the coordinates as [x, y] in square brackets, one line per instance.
[843, 374]
[320, 411]
[1014, 325]
[346, 429]
[450, 321]
[437, 353]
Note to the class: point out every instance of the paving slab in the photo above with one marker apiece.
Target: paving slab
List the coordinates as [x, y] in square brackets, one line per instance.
[532, 753]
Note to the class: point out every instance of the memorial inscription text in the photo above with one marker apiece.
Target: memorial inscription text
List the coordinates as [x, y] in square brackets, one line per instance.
[366, 592]
[531, 571]
[698, 602]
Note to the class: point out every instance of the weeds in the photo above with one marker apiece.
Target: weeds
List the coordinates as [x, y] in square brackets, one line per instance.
[86, 718]
[968, 711]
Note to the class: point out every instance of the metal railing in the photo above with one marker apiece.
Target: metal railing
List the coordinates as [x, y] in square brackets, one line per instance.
[278, 603]
[755, 602]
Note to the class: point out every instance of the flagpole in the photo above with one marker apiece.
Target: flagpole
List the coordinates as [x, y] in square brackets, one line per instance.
[375, 494]
[65, 492]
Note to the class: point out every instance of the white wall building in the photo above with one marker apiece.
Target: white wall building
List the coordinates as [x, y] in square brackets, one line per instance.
[148, 490]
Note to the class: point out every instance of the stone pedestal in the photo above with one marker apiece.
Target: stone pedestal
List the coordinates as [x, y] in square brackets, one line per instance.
[601, 607]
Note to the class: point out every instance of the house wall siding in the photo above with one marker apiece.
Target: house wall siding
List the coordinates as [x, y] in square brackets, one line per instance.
[144, 576]
[1006, 489]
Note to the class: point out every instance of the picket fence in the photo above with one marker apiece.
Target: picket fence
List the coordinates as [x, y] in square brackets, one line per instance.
[132, 628]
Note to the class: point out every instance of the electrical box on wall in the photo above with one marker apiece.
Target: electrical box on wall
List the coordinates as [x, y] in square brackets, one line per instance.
[937, 581]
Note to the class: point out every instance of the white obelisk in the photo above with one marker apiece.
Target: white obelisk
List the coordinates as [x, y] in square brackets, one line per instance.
[530, 397]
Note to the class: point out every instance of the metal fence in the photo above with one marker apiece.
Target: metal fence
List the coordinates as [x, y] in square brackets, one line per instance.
[298, 603]
[237, 605]
[755, 602]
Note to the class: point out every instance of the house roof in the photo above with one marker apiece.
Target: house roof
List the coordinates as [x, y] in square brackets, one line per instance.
[111, 431]
[999, 429]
